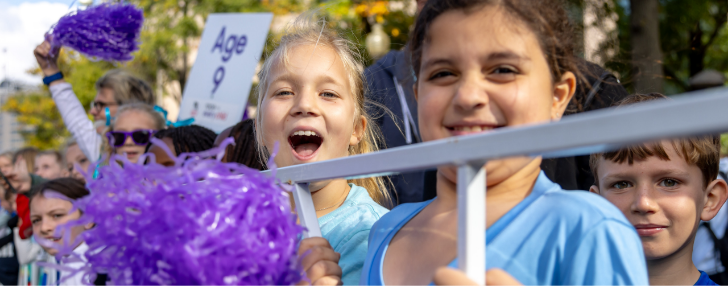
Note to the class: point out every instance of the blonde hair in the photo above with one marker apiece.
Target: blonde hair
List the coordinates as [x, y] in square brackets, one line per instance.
[127, 88]
[307, 30]
[159, 121]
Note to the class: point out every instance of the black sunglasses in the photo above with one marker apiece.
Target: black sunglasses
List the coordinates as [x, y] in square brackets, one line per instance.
[100, 105]
[140, 137]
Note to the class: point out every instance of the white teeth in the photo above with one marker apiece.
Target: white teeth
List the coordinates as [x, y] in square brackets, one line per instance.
[305, 133]
[472, 128]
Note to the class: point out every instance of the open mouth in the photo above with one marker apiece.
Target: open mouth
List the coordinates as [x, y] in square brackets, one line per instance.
[305, 144]
[54, 239]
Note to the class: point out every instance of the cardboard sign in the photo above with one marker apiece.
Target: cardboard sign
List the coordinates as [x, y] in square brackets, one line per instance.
[220, 80]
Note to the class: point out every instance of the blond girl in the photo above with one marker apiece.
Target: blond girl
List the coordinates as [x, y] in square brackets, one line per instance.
[311, 101]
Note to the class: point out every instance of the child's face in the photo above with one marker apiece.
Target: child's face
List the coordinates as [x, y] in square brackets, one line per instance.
[309, 109]
[48, 213]
[128, 121]
[664, 200]
[479, 74]
[6, 165]
[48, 167]
[75, 156]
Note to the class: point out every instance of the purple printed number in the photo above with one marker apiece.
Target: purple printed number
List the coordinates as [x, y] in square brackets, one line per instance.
[217, 79]
[228, 47]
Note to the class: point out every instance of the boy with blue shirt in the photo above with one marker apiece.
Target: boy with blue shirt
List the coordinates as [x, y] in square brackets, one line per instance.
[664, 189]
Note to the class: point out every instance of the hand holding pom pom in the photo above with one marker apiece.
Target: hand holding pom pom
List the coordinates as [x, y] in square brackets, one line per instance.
[199, 222]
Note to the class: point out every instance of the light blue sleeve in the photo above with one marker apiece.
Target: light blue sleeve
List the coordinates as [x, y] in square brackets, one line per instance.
[353, 252]
[608, 254]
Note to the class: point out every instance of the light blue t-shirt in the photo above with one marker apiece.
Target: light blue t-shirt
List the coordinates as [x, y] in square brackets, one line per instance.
[551, 237]
[347, 230]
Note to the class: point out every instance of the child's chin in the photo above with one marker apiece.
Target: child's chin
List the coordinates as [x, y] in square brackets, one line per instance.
[51, 251]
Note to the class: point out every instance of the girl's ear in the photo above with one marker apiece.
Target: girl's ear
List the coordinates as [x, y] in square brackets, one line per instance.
[563, 92]
[715, 196]
[360, 125]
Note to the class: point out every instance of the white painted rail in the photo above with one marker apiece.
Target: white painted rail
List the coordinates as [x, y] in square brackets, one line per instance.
[695, 113]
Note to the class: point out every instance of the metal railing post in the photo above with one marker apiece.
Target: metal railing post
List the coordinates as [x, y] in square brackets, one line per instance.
[471, 221]
[306, 211]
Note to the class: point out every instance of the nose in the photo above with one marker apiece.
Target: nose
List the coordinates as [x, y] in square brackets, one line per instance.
[306, 104]
[643, 202]
[75, 173]
[128, 141]
[47, 227]
[470, 94]
[94, 111]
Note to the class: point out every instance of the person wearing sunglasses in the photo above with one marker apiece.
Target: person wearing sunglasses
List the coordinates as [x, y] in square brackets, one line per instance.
[115, 88]
[132, 130]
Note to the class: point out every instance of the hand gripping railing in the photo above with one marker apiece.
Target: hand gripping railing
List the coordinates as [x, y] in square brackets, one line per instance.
[695, 113]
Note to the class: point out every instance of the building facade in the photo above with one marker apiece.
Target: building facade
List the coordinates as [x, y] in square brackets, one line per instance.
[10, 138]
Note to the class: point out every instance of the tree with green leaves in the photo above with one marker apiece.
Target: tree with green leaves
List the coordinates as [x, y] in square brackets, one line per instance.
[37, 111]
[169, 39]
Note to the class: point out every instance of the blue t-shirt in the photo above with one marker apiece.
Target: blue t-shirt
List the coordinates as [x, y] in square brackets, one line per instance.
[704, 279]
[551, 237]
[347, 230]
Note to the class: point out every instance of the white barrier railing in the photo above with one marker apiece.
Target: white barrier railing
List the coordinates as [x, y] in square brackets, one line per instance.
[695, 113]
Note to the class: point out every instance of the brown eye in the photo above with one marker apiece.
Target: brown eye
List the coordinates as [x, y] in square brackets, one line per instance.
[441, 74]
[504, 70]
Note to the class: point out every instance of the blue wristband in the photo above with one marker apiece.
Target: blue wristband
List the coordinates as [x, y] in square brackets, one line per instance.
[51, 78]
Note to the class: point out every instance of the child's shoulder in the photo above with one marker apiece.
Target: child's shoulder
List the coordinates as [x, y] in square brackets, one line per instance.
[350, 224]
[578, 205]
[355, 216]
[360, 199]
[578, 211]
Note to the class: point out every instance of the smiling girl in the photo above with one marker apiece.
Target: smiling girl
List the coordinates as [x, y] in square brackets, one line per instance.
[48, 212]
[312, 103]
[483, 65]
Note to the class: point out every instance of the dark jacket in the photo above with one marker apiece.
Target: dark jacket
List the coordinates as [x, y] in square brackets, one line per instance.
[602, 91]
[388, 116]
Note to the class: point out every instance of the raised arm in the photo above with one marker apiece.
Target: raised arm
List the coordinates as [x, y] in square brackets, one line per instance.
[72, 112]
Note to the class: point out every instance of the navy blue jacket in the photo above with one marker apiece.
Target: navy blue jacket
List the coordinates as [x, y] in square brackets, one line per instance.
[381, 90]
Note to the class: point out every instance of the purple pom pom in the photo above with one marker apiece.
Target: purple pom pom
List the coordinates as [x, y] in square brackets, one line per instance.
[107, 31]
[199, 222]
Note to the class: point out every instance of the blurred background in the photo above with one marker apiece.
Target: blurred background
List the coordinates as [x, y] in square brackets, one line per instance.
[668, 46]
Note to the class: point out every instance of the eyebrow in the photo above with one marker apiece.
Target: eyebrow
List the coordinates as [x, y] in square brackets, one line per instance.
[322, 79]
[630, 175]
[504, 55]
[507, 55]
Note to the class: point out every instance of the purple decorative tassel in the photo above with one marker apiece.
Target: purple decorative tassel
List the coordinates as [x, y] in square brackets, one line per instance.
[199, 222]
[107, 32]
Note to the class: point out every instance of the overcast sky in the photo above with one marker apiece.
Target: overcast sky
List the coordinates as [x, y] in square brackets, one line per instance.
[22, 25]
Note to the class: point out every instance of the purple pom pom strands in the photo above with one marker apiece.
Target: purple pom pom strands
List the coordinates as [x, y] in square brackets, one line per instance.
[199, 222]
[107, 31]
